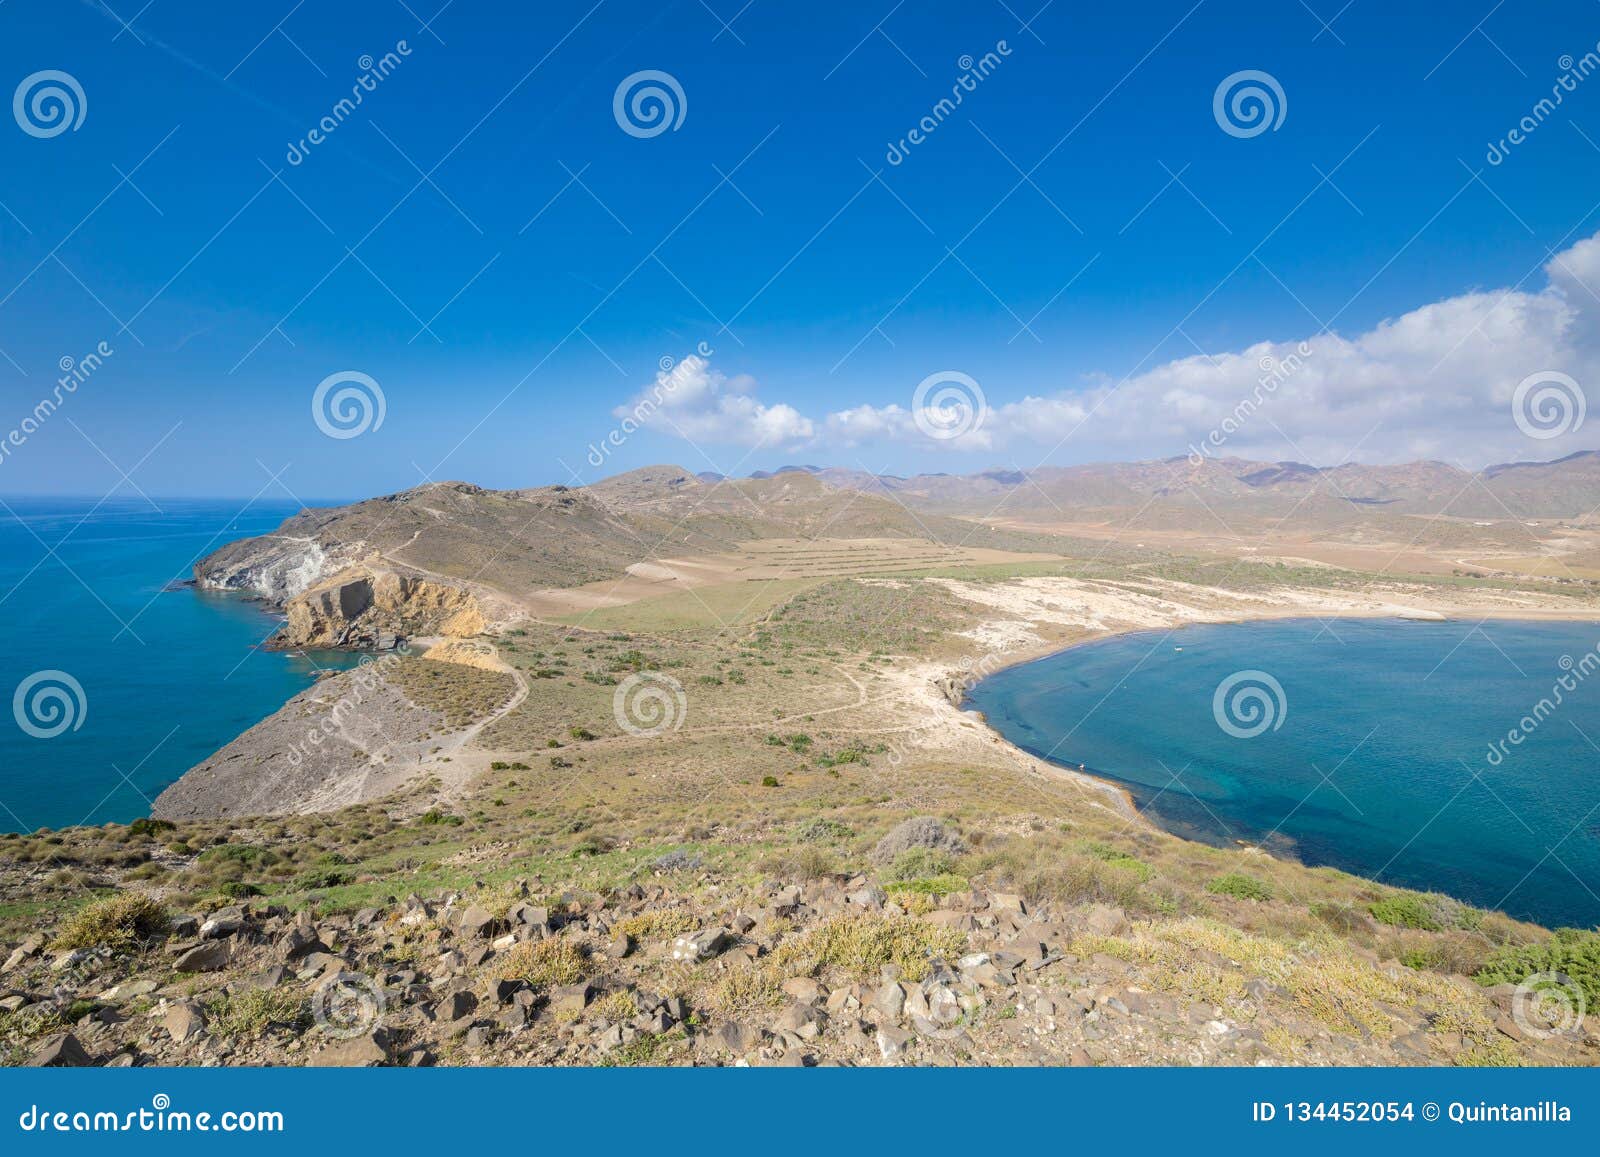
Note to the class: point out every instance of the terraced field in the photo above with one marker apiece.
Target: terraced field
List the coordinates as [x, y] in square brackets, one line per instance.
[734, 586]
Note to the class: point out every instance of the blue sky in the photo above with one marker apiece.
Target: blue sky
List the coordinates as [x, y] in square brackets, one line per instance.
[1109, 305]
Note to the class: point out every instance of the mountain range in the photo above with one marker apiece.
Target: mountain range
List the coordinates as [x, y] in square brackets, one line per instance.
[1565, 488]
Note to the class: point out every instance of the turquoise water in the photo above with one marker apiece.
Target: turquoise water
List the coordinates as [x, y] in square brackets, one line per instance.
[1377, 757]
[167, 676]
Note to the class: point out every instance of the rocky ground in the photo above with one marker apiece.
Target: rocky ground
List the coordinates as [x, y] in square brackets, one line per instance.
[675, 968]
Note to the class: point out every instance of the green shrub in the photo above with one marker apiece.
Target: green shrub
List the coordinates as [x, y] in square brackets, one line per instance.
[320, 878]
[150, 827]
[1419, 959]
[1570, 951]
[247, 855]
[1340, 917]
[942, 885]
[1240, 887]
[821, 830]
[918, 864]
[1406, 910]
[1084, 880]
[769, 781]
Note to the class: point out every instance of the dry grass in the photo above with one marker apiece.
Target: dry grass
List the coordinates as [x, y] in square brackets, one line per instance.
[860, 945]
[547, 963]
[460, 693]
[121, 922]
[1326, 981]
[614, 1006]
[657, 925]
[854, 945]
[248, 1014]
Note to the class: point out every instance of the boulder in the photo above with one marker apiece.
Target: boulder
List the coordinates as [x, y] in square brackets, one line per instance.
[184, 1021]
[693, 947]
[455, 1006]
[61, 1051]
[571, 997]
[28, 949]
[890, 1000]
[893, 1040]
[477, 924]
[803, 1020]
[207, 956]
[736, 1038]
[269, 977]
[366, 1051]
[301, 940]
[221, 923]
[803, 989]
[1104, 920]
[530, 914]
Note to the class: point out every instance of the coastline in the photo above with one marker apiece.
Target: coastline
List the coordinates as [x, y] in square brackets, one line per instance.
[954, 685]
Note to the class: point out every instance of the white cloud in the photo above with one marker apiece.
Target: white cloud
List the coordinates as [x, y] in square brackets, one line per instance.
[1435, 382]
[694, 401]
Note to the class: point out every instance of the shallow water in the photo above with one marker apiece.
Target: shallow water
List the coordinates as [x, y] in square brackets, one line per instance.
[1376, 757]
[167, 676]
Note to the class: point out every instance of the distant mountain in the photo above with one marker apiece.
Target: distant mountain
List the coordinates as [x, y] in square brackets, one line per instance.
[1566, 488]
[516, 541]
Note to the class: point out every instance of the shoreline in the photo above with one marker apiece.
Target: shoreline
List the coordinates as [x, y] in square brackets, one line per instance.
[1123, 799]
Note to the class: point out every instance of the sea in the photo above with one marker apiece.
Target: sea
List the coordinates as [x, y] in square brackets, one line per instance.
[1460, 757]
[114, 679]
